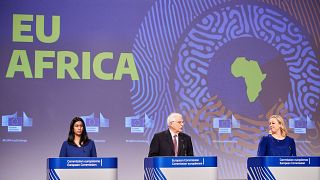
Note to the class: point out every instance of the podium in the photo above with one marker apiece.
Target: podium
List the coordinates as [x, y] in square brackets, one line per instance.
[180, 167]
[287, 167]
[82, 168]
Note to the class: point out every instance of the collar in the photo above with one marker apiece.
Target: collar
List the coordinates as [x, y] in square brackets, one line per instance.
[172, 133]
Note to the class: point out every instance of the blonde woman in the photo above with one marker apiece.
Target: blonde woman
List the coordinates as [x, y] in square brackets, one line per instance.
[277, 142]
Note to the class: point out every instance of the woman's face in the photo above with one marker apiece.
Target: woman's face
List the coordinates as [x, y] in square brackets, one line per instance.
[78, 128]
[274, 125]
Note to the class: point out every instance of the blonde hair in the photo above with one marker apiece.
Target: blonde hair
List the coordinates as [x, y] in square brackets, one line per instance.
[283, 129]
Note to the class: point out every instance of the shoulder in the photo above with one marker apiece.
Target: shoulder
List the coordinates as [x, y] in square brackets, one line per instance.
[265, 138]
[90, 142]
[162, 133]
[65, 143]
[290, 139]
[184, 135]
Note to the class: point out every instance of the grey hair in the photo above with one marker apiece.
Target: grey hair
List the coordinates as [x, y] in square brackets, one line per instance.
[172, 117]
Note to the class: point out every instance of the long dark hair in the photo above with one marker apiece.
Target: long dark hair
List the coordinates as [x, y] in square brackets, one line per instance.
[84, 139]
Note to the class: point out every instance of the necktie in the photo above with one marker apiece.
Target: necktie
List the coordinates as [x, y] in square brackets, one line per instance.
[175, 145]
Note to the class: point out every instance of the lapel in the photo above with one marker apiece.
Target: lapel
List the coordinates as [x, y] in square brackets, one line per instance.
[169, 140]
[180, 144]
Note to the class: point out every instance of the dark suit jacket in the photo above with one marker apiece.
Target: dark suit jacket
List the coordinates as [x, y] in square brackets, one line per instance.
[162, 145]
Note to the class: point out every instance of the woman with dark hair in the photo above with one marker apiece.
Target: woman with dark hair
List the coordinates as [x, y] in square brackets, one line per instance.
[277, 143]
[78, 143]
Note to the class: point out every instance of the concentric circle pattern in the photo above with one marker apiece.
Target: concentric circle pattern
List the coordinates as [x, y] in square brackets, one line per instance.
[184, 51]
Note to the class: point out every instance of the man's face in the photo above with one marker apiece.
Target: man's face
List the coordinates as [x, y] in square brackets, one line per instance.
[176, 125]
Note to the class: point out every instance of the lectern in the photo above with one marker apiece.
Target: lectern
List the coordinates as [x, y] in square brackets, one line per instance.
[82, 168]
[181, 167]
[288, 167]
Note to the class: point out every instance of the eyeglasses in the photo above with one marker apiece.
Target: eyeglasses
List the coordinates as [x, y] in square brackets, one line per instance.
[179, 122]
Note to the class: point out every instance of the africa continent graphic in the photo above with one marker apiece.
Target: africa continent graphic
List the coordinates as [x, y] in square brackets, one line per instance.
[252, 75]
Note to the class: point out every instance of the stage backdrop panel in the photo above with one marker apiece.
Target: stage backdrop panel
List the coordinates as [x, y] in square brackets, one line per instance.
[124, 66]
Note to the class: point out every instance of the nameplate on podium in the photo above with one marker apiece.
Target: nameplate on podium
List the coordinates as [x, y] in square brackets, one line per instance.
[287, 167]
[82, 168]
[181, 167]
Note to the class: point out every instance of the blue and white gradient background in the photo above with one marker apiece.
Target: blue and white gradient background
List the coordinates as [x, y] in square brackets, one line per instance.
[183, 51]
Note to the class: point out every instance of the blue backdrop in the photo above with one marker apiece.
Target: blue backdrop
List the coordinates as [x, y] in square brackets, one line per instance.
[124, 65]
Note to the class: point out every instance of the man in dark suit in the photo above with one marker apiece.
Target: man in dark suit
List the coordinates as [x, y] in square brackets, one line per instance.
[172, 142]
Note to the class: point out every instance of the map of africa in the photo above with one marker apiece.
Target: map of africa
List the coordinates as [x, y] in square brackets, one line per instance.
[252, 74]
